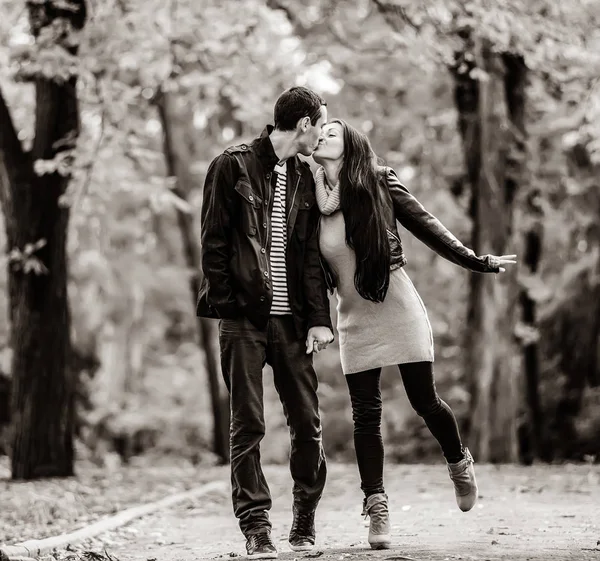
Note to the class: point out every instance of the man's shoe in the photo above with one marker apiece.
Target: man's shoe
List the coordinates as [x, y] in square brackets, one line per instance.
[260, 546]
[302, 534]
[376, 508]
[465, 485]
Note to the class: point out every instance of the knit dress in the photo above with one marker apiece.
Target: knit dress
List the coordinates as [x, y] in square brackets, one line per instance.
[373, 335]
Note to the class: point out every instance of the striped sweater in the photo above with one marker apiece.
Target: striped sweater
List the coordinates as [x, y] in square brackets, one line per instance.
[281, 304]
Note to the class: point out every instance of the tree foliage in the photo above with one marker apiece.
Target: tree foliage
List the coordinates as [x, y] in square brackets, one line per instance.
[381, 64]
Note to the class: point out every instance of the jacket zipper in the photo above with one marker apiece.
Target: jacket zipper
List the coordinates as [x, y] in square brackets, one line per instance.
[268, 223]
[287, 268]
[293, 200]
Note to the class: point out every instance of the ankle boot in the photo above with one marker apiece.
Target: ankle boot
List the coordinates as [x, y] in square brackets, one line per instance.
[376, 508]
[465, 485]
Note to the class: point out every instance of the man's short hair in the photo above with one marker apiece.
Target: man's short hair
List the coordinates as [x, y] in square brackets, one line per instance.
[294, 104]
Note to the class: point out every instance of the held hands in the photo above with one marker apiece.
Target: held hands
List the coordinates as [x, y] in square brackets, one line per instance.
[318, 338]
[498, 261]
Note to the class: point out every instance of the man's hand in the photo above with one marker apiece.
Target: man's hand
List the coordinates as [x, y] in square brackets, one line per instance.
[318, 338]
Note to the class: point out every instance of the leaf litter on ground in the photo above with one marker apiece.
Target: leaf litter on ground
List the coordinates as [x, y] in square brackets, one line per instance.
[78, 554]
[49, 507]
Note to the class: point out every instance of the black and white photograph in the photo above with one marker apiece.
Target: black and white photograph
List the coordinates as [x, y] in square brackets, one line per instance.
[299, 279]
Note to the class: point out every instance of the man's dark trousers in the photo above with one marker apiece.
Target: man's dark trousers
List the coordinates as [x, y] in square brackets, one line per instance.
[244, 352]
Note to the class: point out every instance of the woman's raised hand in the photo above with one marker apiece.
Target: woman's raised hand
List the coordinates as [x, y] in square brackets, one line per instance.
[500, 260]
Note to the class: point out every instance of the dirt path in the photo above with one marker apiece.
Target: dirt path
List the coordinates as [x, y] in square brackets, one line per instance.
[550, 513]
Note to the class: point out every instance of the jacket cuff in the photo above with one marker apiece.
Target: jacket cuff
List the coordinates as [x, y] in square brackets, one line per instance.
[487, 259]
[320, 320]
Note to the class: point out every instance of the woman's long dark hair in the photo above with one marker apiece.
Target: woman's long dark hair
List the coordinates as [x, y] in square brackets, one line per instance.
[361, 202]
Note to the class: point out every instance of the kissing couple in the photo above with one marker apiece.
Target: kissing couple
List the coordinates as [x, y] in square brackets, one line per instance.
[275, 240]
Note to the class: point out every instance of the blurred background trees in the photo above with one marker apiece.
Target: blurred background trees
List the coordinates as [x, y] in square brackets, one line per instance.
[490, 114]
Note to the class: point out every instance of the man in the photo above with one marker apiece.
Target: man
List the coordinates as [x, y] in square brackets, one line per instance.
[264, 281]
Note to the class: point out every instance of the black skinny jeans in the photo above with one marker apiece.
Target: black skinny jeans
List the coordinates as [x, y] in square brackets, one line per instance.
[365, 395]
[244, 352]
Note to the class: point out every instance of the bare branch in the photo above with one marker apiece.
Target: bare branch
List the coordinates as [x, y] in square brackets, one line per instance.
[298, 25]
[135, 160]
[389, 10]
[300, 28]
[559, 125]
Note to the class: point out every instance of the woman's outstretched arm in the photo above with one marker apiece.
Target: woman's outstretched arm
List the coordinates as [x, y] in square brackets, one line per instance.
[423, 225]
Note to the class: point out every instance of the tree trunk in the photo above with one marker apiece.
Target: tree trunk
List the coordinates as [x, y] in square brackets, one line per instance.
[532, 442]
[176, 149]
[5, 385]
[489, 94]
[43, 384]
[5, 391]
[134, 337]
[515, 82]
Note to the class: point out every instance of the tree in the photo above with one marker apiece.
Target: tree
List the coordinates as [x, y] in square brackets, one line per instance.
[532, 434]
[492, 125]
[32, 183]
[178, 158]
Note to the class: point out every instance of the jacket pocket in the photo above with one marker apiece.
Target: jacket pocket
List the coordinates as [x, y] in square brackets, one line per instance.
[307, 202]
[250, 206]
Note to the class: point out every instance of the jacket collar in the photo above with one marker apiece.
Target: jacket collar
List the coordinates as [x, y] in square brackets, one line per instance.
[266, 153]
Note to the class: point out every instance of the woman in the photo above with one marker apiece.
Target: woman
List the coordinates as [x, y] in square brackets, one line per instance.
[381, 318]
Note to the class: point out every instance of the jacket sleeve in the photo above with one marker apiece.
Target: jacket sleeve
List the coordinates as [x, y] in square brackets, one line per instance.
[427, 228]
[315, 287]
[215, 228]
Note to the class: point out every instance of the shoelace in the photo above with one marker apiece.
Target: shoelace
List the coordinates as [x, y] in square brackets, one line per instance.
[303, 522]
[263, 539]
